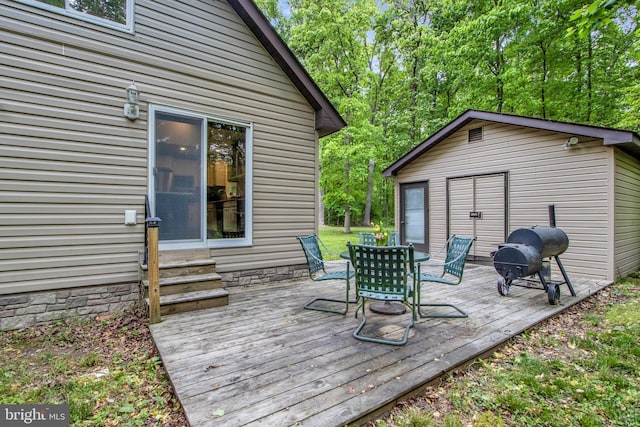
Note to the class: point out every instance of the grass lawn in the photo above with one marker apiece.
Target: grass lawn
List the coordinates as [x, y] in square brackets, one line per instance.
[335, 239]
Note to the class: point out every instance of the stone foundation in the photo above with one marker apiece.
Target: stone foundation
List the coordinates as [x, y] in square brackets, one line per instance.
[36, 308]
[31, 309]
[265, 275]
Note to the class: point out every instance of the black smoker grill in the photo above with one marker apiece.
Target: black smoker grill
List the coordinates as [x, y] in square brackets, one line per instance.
[522, 258]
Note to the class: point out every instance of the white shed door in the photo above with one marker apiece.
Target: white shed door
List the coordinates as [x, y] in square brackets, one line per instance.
[477, 207]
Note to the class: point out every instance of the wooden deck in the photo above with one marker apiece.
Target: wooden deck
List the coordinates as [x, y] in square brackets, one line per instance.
[265, 361]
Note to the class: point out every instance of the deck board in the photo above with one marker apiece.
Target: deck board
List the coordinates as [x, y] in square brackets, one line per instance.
[265, 361]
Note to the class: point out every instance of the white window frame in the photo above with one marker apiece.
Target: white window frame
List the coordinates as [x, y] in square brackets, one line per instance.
[69, 11]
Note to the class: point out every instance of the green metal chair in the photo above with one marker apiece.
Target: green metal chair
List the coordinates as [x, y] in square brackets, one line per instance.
[368, 239]
[453, 267]
[317, 272]
[384, 273]
[394, 239]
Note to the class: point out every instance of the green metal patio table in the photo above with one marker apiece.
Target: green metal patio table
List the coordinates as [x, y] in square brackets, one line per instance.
[389, 307]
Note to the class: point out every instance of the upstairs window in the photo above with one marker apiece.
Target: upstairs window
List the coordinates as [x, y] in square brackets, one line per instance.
[111, 13]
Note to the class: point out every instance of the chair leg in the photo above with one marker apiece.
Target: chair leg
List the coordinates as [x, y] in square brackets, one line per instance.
[309, 306]
[346, 302]
[422, 315]
[462, 314]
[359, 336]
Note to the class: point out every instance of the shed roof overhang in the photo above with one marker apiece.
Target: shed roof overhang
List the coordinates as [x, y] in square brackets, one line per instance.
[626, 140]
[328, 120]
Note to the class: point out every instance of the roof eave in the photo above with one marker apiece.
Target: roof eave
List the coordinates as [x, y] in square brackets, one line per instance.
[630, 146]
[427, 144]
[328, 120]
[624, 139]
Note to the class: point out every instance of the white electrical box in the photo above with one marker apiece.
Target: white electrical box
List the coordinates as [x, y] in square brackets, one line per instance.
[130, 217]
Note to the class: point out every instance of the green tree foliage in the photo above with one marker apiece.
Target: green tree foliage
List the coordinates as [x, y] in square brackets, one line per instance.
[331, 40]
[398, 70]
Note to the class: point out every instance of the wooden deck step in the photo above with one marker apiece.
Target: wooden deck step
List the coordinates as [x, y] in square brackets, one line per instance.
[182, 268]
[182, 284]
[188, 255]
[188, 281]
[190, 301]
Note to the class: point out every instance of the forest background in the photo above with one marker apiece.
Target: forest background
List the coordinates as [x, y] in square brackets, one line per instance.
[399, 70]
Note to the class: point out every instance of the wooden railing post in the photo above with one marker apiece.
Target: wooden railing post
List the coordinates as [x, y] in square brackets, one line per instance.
[153, 270]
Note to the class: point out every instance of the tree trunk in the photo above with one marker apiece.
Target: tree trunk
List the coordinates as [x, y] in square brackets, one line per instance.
[589, 79]
[499, 64]
[347, 219]
[347, 204]
[367, 206]
[413, 132]
[543, 83]
[347, 188]
[321, 208]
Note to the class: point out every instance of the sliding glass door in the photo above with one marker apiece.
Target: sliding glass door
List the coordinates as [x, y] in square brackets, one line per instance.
[178, 176]
[199, 178]
[226, 181]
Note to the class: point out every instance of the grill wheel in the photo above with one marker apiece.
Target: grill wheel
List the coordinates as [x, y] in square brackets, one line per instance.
[553, 291]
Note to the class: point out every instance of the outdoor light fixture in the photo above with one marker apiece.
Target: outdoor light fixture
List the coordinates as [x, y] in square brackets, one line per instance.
[131, 110]
[570, 143]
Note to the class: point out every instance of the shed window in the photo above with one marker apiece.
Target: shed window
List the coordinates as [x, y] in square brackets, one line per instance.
[475, 135]
[111, 13]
